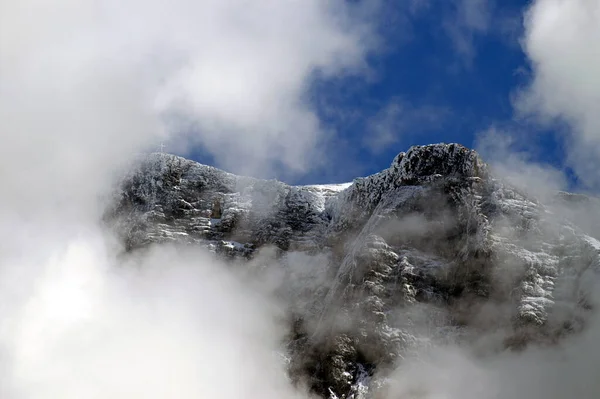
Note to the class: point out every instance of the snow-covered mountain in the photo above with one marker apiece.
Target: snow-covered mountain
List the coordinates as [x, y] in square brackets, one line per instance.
[435, 248]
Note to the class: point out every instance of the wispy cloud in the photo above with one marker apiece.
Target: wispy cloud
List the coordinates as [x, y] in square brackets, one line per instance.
[465, 22]
[399, 120]
[467, 19]
[514, 160]
[417, 6]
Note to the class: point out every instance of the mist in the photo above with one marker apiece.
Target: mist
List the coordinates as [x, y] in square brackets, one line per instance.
[458, 371]
[474, 359]
[169, 323]
[87, 86]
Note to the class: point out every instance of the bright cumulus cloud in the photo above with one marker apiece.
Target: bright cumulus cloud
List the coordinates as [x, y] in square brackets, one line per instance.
[85, 85]
[225, 74]
[561, 42]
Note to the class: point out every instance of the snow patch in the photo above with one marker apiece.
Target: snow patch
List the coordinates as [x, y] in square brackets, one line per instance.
[233, 245]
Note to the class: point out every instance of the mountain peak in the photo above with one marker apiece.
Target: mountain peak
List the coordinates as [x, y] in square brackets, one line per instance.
[438, 159]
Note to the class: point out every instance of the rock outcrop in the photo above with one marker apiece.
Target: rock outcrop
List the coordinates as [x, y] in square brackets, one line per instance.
[434, 248]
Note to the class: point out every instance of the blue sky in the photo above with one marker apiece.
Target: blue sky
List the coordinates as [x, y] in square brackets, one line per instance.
[427, 88]
[422, 86]
[434, 90]
[444, 71]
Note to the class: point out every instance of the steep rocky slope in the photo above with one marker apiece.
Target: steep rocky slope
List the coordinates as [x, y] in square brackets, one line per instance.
[433, 249]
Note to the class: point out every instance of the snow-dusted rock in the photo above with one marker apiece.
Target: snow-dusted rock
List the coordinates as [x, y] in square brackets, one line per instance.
[432, 249]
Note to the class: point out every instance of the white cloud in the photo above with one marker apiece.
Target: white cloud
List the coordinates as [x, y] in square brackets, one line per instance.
[239, 73]
[83, 86]
[247, 74]
[561, 43]
[498, 148]
[170, 323]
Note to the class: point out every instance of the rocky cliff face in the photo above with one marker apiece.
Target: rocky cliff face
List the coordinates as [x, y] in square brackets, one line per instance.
[434, 248]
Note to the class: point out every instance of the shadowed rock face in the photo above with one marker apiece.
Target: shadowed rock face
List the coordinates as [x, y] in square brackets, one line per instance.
[432, 249]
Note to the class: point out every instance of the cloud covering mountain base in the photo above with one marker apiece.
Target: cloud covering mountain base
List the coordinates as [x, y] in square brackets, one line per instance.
[84, 86]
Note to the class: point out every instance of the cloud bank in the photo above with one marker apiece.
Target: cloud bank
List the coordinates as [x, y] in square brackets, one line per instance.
[169, 323]
[86, 85]
[231, 77]
[560, 42]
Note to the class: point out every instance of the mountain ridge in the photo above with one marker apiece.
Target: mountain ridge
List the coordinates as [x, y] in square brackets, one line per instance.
[435, 240]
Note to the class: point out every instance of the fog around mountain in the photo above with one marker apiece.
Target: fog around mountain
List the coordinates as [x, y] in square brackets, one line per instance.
[151, 276]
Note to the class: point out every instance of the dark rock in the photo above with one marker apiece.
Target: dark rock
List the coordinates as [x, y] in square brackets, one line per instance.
[422, 249]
